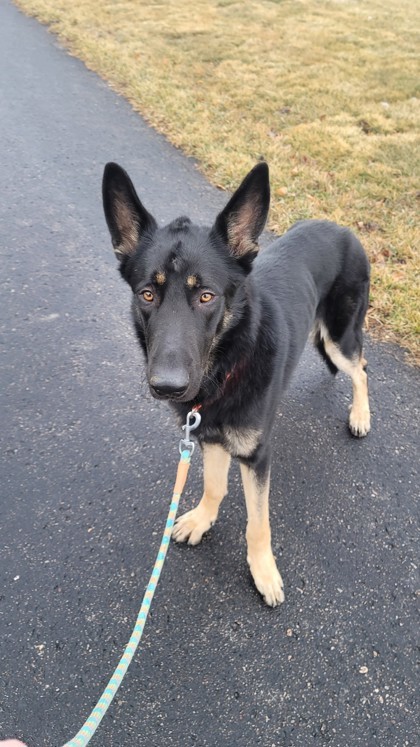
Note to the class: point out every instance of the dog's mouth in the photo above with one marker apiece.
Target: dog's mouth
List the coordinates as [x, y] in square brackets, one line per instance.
[185, 395]
[169, 397]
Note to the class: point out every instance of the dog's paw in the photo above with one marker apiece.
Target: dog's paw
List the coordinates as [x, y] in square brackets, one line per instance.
[359, 421]
[267, 579]
[192, 525]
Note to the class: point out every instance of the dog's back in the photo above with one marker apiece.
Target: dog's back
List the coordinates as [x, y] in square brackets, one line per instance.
[317, 274]
[308, 260]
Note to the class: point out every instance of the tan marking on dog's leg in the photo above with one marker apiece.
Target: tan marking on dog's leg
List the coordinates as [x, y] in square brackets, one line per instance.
[258, 535]
[359, 421]
[192, 525]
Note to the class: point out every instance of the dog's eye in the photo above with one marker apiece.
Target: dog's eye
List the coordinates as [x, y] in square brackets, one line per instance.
[147, 296]
[206, 297]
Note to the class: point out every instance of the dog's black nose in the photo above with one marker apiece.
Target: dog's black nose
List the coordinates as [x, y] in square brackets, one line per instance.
[170, 384]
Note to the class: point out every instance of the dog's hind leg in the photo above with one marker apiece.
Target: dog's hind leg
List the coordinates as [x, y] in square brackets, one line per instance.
[359, 421]
[258, 535]
[192, 525]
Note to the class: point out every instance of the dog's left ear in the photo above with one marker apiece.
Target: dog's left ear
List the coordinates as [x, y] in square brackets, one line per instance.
[243, 219]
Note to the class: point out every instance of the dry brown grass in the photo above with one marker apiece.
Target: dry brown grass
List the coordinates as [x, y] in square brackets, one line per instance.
[326, 92]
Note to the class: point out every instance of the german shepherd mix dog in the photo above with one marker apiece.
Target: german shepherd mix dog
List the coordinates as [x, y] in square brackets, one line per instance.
[222, 328]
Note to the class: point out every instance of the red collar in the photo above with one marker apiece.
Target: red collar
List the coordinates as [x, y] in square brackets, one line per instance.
[234, 373]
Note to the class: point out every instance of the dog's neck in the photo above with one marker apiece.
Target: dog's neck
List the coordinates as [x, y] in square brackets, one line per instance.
[231, 379]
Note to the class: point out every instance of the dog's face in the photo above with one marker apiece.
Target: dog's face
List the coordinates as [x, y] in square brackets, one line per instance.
[187, 281]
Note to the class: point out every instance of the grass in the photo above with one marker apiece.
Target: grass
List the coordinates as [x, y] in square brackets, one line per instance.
[326, 91]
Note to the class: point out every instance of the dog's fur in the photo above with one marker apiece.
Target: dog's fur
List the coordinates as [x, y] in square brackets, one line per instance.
[222, 327]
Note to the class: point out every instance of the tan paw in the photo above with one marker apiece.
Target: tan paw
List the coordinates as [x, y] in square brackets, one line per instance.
[359, 422]
[192, 525]
[267, 579]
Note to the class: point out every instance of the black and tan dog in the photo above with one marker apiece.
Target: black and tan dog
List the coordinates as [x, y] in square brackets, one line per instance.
[222, 328]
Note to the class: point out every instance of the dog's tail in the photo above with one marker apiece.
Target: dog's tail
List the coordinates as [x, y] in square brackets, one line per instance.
[319, 344]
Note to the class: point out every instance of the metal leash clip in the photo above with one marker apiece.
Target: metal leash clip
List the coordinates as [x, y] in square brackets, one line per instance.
[192, 422]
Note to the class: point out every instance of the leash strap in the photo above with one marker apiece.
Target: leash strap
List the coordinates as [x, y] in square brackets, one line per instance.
[88, 729]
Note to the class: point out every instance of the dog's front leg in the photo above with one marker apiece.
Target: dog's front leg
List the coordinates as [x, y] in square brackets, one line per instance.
[256, 482]
[192, 525]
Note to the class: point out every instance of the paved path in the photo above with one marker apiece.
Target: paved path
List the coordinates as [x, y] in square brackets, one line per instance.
[89, 459]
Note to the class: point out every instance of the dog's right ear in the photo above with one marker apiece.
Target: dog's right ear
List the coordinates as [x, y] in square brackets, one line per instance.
[126, 217]
[243, 219]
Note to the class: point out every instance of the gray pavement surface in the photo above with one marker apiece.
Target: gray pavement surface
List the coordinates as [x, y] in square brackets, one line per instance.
[88, 462]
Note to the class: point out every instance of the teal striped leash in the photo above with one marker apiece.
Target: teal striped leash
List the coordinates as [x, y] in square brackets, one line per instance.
[186, 448]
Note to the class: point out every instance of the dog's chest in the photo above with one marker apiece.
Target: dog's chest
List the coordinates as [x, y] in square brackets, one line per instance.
[240, 442]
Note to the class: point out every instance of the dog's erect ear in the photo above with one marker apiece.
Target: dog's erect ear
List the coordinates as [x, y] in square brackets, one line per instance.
[244, 217]
[126, 217]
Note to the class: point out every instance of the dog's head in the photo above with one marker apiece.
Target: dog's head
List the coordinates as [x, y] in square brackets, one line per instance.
[188, 282]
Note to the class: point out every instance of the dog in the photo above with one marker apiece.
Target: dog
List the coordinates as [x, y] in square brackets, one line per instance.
[223, 325]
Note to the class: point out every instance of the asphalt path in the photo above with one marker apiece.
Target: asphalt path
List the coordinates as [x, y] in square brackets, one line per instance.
[88, 462]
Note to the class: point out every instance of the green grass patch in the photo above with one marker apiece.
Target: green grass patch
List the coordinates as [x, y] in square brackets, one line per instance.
[327, 92]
